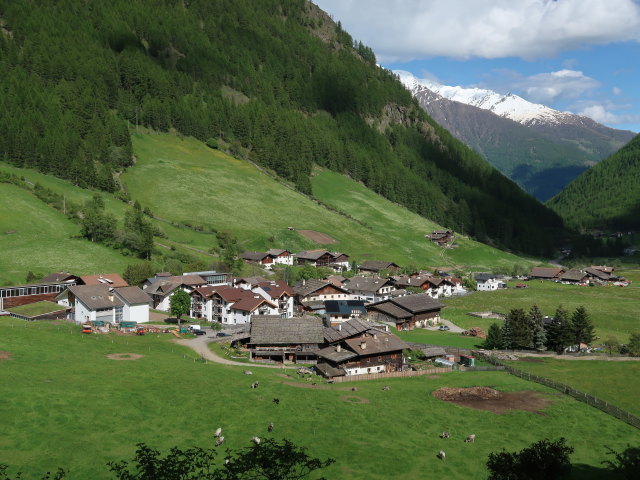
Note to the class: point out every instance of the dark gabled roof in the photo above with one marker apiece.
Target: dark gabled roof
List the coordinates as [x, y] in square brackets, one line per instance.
[376, 344]
[277, 252]
[391, 310]
[251, 280]
[366, 284]
[417, 303]
[110, 279]
[598, 273]
[276, 289]
[408, 281]
[344, 307]
[332, 354]
[483, 277]
[312, 285]
[249, 302]
[546, 272]
[162, 286]
[328, 371]
[312, 254]
[254, 256]
[133, 295]
[573, 276]
[95, 296]
[347, 329]
[376, 265]
[59, 277]
[603, 268]
[271, 330]
[434, 352]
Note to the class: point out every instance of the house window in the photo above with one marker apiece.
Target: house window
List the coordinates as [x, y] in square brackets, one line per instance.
[118, 314]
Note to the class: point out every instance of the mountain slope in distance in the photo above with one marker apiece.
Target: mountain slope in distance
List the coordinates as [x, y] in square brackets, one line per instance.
[605, 196]
[540, 148]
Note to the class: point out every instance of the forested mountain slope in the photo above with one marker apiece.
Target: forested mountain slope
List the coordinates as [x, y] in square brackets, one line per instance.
[605, 196]
[276, 81]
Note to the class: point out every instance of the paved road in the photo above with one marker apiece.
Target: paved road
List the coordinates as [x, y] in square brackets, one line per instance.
[199, 345]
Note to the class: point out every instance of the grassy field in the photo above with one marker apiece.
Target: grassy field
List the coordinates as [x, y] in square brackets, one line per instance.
[36, 237]
[615, 382]
[69, 405]
[257, 209]
[403, 231]
[437, 337]
[614, 310]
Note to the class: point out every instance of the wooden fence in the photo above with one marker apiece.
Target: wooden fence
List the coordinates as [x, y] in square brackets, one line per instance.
[376, 376]
[595, 402]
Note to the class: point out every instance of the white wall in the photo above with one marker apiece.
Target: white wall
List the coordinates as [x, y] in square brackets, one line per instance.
[364, 371]
[135, 313]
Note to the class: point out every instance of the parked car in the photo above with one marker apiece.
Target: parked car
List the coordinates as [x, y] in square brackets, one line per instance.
[199, 332]
[222, 334]
[444, 328]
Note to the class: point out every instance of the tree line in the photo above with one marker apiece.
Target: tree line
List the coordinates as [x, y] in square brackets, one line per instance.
[77, 79]
[528, 330]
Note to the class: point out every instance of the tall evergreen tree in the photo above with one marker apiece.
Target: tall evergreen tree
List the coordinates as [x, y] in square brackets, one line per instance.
[536, 324]
[519, 329]
[494, 338]
[560, 332]
[582, 326]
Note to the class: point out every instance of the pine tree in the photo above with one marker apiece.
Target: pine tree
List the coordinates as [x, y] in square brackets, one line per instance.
[494, 338]
[560, 332]
[582, 326]
[506, 333]
[519, 329]
[536, 324]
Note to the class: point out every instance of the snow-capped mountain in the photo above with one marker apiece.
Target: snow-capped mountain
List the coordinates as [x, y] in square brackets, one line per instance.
[508, 106]
[540, 148]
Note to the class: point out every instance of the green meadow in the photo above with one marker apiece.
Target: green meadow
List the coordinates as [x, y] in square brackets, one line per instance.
[614, 310]
[67, 404]
[36, 237]
[615, 382]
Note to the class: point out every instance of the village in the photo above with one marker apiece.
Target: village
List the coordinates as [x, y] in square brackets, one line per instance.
[339, 325]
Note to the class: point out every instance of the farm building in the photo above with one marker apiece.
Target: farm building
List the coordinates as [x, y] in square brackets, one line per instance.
[409, 312]
[375, 266]
[488, 282]
[339, 311]
[544, 273]
[285, 339]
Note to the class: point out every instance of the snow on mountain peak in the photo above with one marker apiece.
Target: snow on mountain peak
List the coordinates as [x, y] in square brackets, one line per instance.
[509, 106]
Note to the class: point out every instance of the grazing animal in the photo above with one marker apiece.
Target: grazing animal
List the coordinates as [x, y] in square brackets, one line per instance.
[444, 435]
[217, 432]
[248, 372]
[276, 401]
[219, 441]
[270, 427]
[255, 385]
[470, 439]
[256, 440]
[354, 389]
[442, 455]
[386, 387]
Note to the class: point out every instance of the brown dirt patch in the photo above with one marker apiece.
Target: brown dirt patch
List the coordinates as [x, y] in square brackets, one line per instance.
[124, 356]
[354, 399]
[4, 355]
[317, 386]
[317, 237]
[490, 400]
[531, 360]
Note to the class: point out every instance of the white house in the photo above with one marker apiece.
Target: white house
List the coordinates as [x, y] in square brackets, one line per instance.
[94, 303]
[278, 293]
[229, 305]
[369, 289]
[281, 257]
[488, 282]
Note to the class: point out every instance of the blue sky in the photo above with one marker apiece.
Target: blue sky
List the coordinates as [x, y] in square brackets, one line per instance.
[581, 56]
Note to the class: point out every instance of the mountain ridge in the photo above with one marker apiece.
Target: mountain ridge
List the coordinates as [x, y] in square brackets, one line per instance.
[541, 156]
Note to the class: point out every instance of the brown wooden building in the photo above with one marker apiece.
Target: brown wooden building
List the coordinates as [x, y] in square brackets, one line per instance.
[407, 312]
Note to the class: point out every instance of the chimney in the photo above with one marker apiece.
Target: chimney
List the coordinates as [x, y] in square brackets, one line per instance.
[375, 336]
[304, 282]
[339, 327]
[338, 348]
[363, 345]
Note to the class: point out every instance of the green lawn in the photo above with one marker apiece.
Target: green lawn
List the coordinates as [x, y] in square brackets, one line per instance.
[36, 237]
[215, 190]
[71, 406]
[437, 337]
[37, 308]
[614, 310]
[615, 382]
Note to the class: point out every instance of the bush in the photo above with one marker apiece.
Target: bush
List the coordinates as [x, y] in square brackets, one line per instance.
[212, 143]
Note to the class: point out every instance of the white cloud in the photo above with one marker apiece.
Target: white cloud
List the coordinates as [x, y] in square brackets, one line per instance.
[616, 91]
[549, 88]
[400, 30]
[599, 113]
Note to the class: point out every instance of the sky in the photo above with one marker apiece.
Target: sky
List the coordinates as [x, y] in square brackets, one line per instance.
[580, 56]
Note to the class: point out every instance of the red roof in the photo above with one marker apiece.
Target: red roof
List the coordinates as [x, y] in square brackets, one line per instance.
[249, 303]
[276, 289]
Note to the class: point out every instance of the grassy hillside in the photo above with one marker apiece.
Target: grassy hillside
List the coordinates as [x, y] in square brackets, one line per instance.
[36, 237]
[181, 179]
[277, 81]
[605, 196]
[73, 407]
